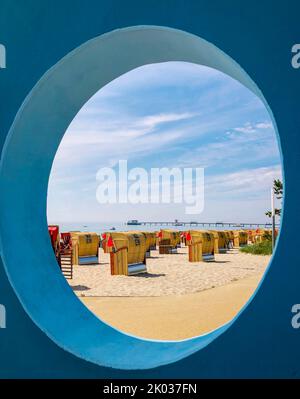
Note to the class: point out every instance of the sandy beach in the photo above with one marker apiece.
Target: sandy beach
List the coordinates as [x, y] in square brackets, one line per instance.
[174, 317]
[176, 299]
[167, 275]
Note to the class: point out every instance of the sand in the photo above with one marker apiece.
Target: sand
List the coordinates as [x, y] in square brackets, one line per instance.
[176, 299]
[174, 317]
[167, 275]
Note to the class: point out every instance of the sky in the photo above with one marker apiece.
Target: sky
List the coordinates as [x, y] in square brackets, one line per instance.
[172, 114]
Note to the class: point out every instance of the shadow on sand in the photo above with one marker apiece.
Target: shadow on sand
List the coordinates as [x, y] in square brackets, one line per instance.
[149, 275]
[80, 287]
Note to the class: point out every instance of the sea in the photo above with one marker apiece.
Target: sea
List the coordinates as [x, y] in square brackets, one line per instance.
[100, 227]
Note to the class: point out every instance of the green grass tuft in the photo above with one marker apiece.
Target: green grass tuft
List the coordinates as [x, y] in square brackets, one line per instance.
[263, 248]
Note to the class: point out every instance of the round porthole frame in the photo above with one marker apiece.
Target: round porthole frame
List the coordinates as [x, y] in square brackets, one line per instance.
[26, 162]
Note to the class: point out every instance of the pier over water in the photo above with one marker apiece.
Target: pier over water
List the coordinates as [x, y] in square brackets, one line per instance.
[205, 224]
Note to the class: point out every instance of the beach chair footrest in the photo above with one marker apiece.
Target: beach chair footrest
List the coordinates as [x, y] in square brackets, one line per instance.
[136, 268]
[87, 260]
[208, 257]
[173, 250]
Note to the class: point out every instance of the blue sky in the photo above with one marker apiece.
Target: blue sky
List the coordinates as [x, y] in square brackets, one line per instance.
[169, 115]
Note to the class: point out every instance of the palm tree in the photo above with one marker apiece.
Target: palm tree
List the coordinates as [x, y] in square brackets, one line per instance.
[278, 191]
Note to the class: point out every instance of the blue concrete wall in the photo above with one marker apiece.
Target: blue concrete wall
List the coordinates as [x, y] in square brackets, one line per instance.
[262, 342]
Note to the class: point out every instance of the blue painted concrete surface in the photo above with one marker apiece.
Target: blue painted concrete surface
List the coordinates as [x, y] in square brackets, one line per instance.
[261, 343]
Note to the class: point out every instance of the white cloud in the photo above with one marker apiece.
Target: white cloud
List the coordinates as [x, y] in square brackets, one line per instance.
[253, 128]
[191, 117]
[152, 121]
[264, 125]
[253, 182]
[235, 148]
[99, 131]
[247, 128]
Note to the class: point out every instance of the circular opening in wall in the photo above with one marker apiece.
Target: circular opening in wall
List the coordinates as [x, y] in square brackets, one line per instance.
[158, 194]
[42, 121]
